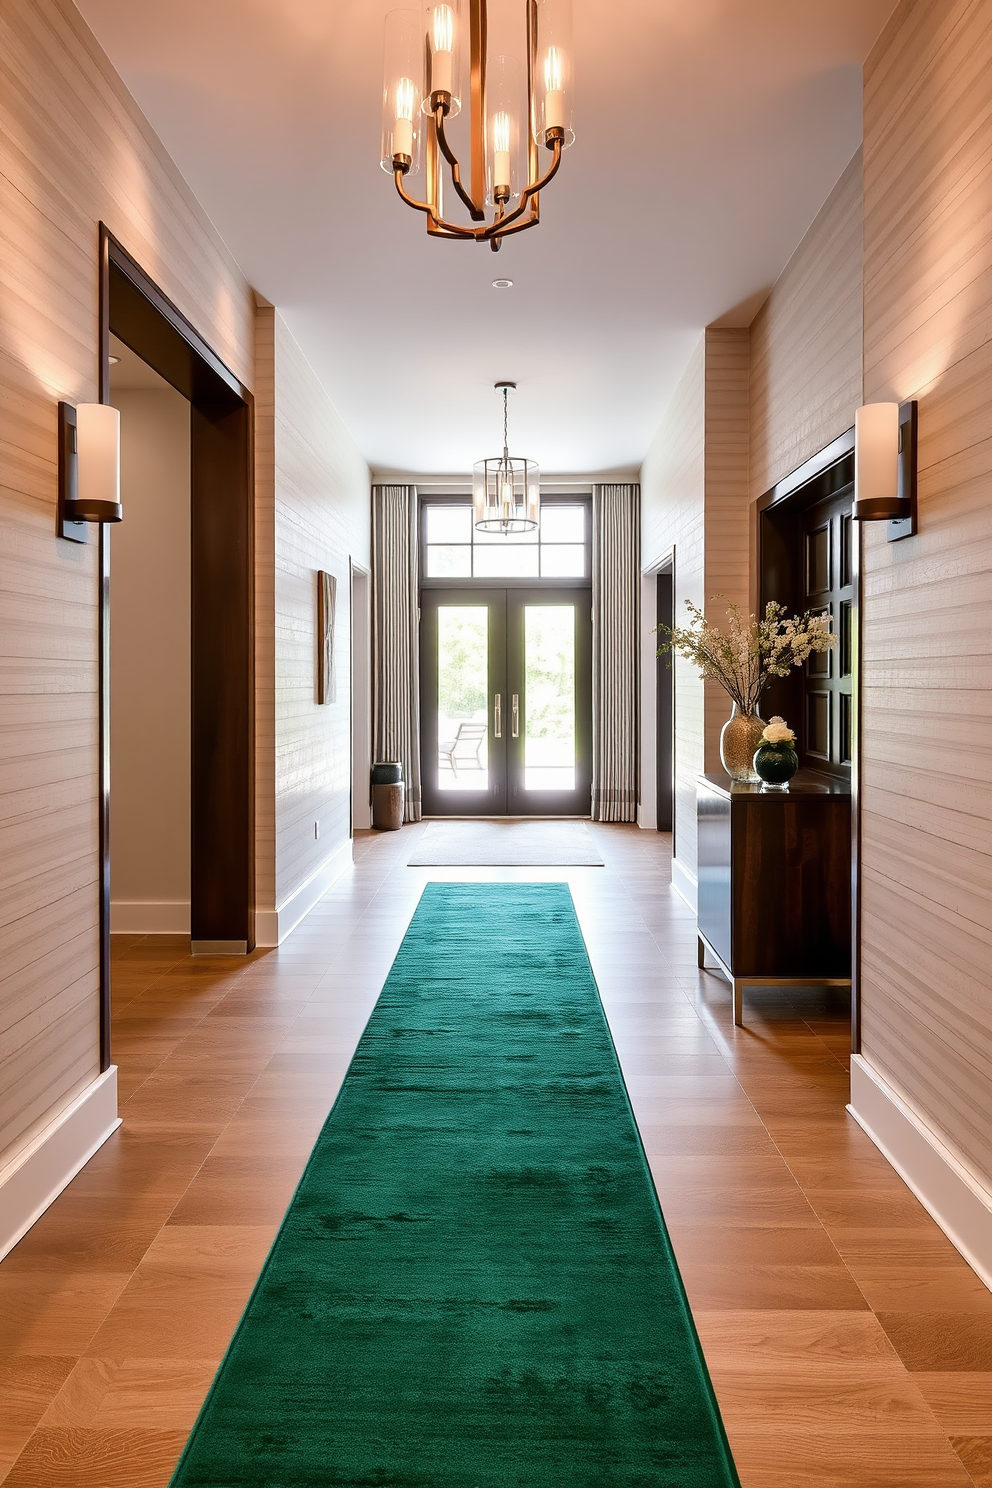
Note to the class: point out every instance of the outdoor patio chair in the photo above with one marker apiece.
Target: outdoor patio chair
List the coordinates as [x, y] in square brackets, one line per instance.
[464, 749]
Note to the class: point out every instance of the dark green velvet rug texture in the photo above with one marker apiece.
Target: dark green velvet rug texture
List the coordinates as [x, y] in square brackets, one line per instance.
[473, 1286]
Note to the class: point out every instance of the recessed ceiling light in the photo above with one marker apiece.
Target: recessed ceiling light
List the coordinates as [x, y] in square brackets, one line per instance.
[502, 284]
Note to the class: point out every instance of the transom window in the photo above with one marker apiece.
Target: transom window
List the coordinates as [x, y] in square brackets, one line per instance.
[558, 549]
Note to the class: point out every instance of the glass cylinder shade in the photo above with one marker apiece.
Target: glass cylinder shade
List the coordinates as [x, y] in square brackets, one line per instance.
[554, 73]
[506, 494]
[506, 100]
[402, 92]
[444, 54]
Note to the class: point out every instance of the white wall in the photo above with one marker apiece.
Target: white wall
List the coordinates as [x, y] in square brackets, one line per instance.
[694, 508]
[150, 667]
[673, 502]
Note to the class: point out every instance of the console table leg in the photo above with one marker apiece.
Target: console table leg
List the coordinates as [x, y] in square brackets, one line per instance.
[700, 952]
[738, 1003]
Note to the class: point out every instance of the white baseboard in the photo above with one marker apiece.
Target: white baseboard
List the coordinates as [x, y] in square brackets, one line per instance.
[149, 917]
[945, 1188]
[38, 1174]
[684, 884]
[273, 925]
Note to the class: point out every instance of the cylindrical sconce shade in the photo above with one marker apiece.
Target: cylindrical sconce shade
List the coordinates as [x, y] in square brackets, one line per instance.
[97, 494]
[402, 92]
[554, 79]
[876, 463]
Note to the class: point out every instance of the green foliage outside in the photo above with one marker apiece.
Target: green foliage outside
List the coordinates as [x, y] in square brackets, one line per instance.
[462, 663]
[462, 679]
[550, 635]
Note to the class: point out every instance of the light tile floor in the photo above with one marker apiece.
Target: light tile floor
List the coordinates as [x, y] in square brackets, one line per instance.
[849, 1344]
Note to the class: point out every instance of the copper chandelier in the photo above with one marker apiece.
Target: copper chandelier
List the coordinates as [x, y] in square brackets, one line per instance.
[512, 113]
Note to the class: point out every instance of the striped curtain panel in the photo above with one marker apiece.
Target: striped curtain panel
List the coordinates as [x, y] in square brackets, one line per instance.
[395, 636]
[615, 597]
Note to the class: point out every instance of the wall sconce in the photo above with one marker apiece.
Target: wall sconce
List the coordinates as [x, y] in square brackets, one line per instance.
[885, 441]
[89, 468]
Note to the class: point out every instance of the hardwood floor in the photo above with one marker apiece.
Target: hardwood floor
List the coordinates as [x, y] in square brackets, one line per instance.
[850, 1346]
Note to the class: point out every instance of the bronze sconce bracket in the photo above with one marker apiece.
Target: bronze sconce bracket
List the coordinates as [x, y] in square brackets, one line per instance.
[905, 525]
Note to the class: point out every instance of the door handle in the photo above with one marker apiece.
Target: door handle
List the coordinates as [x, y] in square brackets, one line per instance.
[515, 717]
[498, 716]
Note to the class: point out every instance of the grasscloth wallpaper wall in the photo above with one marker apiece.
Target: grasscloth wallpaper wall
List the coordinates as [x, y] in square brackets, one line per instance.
[73, 150]
[312, 509]
[806, 342]
[927, 795]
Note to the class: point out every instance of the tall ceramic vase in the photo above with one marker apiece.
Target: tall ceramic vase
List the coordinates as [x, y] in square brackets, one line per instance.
[739, 738]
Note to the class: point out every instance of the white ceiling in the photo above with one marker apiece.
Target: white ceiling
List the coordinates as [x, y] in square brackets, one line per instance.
[709, 132]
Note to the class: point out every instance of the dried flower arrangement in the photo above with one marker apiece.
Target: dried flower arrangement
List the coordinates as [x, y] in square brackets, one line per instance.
[745, 657]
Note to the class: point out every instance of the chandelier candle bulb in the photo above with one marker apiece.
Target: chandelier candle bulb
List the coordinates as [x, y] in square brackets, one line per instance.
[501, 151]
[442, 60]
[554, 95]
[406, 102]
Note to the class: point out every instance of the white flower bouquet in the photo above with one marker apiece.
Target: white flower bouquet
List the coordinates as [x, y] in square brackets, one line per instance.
[745, 657]
[777, 731]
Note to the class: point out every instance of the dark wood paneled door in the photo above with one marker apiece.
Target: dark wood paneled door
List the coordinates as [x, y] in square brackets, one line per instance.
[506, 701]
[828, 535]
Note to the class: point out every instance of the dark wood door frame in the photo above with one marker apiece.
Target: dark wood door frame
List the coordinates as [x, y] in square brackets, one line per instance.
[665, 705]
[134, 309]
[826, 474]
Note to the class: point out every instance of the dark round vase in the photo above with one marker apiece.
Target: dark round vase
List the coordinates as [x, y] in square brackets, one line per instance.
[387, 772]
[776, 764]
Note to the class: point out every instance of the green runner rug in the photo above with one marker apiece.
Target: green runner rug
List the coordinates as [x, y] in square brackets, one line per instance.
[473, 1286]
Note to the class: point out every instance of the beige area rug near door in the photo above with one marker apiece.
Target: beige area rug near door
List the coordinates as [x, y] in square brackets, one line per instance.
[505, 844]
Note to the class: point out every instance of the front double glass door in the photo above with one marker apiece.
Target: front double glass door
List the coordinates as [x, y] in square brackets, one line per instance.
[506, 702]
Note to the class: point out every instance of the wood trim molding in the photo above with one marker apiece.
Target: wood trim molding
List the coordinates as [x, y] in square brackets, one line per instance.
[273, 926]
[113, 252]
[223, 579]
[804, 475]
[38, 1174]
[945, 1188]
[685, 885]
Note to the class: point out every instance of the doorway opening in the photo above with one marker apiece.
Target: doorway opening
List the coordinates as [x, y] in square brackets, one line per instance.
[809, 561]
[506, 667]
[150, 699]
[220, 717]
[809, 558]
[361, 697]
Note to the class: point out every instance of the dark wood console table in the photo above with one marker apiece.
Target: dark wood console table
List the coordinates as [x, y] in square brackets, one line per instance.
[774, 882]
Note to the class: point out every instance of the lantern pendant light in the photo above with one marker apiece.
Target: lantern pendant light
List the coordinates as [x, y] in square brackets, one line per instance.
[506, 489]
[513, 113]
